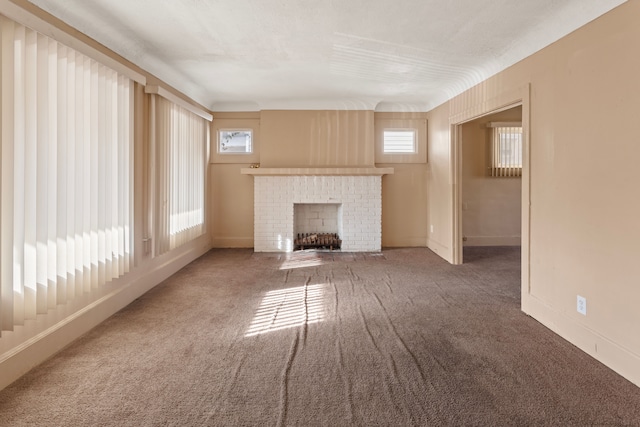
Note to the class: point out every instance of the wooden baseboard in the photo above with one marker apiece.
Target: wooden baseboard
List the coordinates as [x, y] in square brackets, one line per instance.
[440, 249]
[492, 241]
[404, 242]
[233, 242]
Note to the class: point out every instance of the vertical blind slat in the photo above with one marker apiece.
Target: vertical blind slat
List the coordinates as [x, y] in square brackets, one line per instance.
[7, 29]
[95, 161]
[77, 175]
[61, 202]
[30, 175]
[42, 158]
[69, 172]
[18, 176]
[102, 141]
[85, 226]
[51, 140]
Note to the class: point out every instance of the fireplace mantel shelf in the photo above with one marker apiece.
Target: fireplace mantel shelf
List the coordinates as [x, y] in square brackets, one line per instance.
[317, 171]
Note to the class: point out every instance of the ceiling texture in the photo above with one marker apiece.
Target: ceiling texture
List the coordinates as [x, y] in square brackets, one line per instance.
[383, 55]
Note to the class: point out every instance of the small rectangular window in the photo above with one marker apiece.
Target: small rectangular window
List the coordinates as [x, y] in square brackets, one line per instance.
[235, 141]
[507, 151]
[399, 141]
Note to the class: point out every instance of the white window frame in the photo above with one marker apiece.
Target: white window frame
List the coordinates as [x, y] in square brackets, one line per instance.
[220, 148]
[416, 122]
[414, 144]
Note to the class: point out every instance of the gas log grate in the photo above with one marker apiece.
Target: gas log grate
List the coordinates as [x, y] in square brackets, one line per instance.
[329, 241]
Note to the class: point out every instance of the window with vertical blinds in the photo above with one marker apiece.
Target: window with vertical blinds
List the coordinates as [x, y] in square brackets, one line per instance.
[66, 202]
[506, 153]
[179, 147]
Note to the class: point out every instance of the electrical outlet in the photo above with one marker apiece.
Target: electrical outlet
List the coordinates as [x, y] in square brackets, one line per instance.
[582, 305]
[432, 228]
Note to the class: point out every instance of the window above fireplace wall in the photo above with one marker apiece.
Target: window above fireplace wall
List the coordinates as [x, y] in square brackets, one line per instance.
[400, 138]
[235, 140]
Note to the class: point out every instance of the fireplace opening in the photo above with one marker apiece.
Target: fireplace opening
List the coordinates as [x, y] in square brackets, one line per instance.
[330, 241]
[317, 226]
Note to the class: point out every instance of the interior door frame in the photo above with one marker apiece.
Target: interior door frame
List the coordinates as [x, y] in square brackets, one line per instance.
[504, 101]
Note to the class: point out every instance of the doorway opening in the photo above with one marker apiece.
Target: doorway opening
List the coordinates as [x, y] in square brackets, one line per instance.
[517, 101]
[491, 202]
[489, 210]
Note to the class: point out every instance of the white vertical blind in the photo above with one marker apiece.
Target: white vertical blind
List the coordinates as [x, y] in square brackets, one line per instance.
[179, 145]
[506, 151]
[66, 208]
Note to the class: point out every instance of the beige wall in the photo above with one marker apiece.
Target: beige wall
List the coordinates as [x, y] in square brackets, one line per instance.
[439, 184]
[404, 205]
[584, 102]
[322, 139]
[231, 206]
[490, 205]
[316, 138]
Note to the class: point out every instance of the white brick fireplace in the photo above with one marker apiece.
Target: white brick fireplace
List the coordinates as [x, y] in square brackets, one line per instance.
[353, 194]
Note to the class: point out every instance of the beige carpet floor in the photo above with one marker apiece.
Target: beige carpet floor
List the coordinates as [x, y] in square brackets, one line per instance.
[399, 338]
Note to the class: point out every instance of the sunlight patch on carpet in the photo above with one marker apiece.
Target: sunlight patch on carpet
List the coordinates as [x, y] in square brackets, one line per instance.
[301, 259]
[288, 308]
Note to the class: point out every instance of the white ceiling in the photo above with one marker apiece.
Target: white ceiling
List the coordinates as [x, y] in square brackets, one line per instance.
[387, 55]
